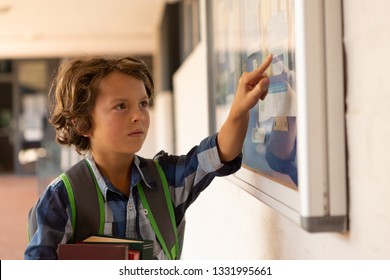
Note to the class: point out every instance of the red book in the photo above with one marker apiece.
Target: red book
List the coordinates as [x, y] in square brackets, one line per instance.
[134, 255]
[88, 251]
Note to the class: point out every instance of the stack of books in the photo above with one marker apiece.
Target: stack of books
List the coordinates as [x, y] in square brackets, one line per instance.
[102, 247]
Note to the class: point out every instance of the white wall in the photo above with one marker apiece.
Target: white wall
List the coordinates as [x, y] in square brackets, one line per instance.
[227, 223]
[190, 101]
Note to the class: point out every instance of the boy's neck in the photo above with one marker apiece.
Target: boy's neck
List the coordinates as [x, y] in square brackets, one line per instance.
[118, 171]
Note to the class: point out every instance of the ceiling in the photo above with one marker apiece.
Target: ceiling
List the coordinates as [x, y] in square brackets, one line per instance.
[55, 28]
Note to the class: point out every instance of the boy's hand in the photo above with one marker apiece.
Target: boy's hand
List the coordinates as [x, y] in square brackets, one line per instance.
[252, 86]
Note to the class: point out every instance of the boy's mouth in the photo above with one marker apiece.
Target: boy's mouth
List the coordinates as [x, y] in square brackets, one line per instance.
[137, 132]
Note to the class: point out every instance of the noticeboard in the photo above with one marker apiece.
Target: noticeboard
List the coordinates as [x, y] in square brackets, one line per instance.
[294, 150]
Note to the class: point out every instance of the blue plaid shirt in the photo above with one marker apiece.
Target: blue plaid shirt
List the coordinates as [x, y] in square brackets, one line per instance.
[187, 175]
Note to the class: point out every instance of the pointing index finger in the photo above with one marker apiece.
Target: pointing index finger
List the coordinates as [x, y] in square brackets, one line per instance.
[259, 71]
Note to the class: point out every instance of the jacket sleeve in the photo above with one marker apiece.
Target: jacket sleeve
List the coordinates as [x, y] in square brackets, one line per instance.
[188, 175]
[54, 224]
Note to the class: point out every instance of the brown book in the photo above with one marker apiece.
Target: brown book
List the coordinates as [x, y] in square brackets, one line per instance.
[88, 251]
[145, 247]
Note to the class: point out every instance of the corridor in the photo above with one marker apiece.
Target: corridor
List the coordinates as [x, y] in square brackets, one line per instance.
[17, 195]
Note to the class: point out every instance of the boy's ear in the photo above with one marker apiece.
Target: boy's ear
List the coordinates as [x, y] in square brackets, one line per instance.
[80, 129]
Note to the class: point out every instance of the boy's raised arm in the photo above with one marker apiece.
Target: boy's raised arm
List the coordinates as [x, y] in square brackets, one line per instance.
[252, 86]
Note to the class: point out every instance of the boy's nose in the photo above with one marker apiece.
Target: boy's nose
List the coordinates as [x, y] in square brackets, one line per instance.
[136, 116]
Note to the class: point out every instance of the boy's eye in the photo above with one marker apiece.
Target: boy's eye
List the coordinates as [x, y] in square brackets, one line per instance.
[120, 106]
[144, 104]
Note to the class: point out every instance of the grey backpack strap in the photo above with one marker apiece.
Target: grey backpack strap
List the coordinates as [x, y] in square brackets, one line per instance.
[88, 201]
[161, 211]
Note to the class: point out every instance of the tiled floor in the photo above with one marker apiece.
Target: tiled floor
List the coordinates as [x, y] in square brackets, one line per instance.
[17, 195]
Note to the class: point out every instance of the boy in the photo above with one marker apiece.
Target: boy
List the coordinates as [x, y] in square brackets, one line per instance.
[100, 106]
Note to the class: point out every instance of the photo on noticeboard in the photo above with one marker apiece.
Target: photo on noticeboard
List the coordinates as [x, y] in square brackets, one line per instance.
[243, 34]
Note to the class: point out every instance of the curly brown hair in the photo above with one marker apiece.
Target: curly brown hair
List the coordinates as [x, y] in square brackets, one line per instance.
[74, 90]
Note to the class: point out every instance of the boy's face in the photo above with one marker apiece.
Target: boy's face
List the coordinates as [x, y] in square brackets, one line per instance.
[120, 118]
